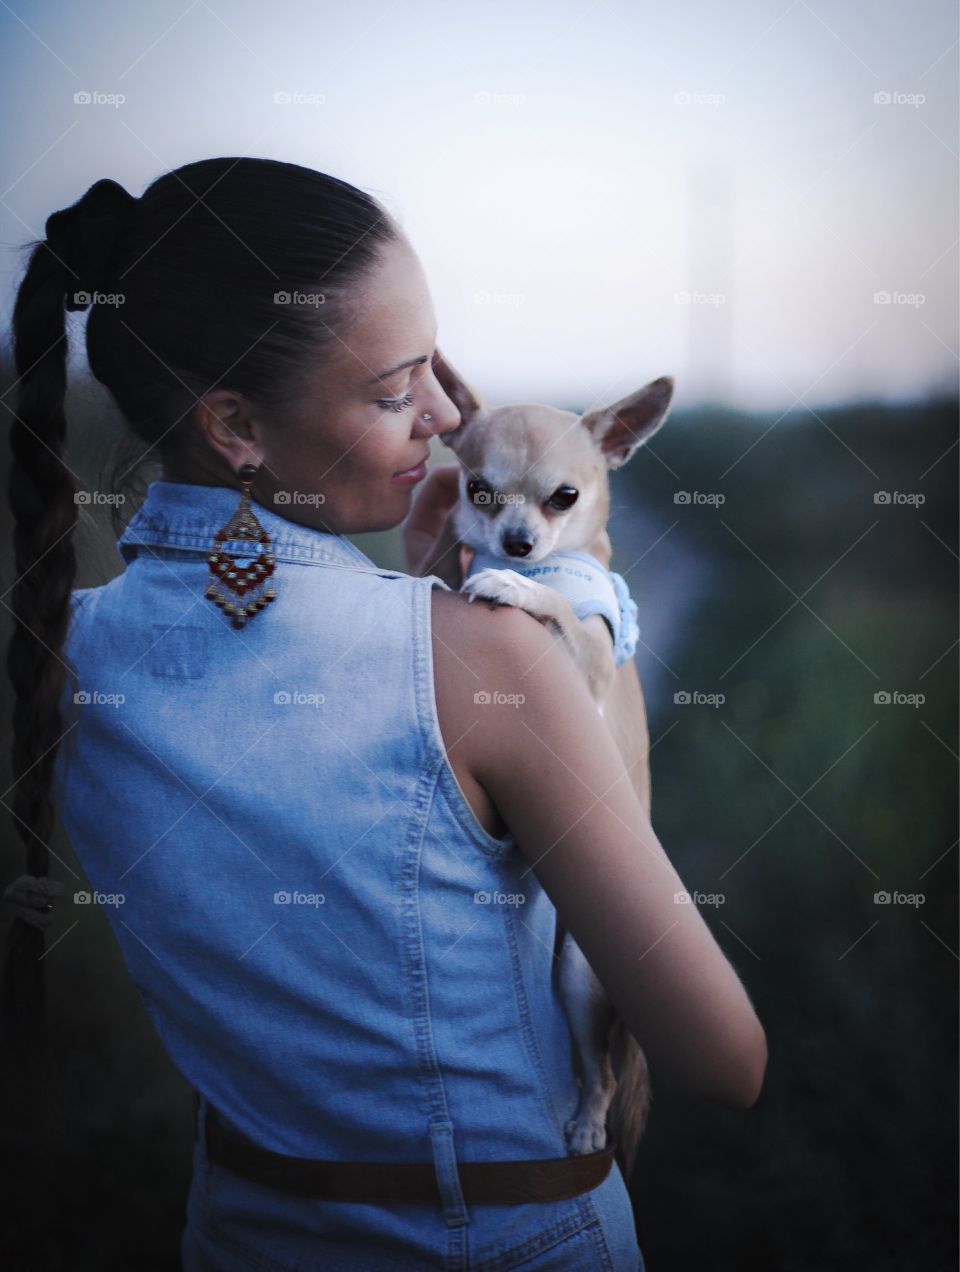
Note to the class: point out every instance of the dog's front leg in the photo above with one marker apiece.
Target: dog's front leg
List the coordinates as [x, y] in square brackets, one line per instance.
[591, 1016]
[587, 641]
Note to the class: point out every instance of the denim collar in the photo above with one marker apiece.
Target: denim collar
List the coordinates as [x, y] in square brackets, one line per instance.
[186, 516]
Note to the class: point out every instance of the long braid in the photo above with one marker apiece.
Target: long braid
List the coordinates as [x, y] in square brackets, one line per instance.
[196, 263]
[41, 491]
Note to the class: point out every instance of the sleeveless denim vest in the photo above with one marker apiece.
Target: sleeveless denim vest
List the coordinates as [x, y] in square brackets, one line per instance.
[331, 948]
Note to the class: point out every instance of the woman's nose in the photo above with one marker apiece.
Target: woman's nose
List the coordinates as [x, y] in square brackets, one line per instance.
[444, 416]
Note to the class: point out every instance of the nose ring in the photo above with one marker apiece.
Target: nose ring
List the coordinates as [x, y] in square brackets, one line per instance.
[427, 415]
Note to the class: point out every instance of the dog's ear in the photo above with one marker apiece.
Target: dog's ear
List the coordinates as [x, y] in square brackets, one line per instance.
[464, 398]
[620, 429]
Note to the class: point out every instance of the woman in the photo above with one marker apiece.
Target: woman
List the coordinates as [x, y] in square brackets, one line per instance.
[332, 826]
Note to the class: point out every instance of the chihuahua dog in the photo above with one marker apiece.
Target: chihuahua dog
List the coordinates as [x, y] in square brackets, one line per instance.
[534, 503]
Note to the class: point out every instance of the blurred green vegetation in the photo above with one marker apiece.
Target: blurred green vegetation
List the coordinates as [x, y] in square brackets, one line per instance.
[797, 798]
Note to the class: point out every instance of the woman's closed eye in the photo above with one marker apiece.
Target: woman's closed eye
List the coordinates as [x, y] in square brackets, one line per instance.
[395, 404]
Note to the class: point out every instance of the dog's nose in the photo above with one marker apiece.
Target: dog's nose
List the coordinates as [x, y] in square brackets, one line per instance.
[517, 545]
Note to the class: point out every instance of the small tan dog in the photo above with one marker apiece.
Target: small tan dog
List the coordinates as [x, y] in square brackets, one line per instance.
[534, 504]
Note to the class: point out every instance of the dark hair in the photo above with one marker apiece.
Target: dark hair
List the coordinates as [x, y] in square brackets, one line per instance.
[198, 260]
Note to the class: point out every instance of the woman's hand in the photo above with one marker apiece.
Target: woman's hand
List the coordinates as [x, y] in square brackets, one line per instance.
[428, 517]
[32, 898]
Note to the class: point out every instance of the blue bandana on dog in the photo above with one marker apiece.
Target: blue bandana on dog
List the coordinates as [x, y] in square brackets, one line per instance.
[588, 587]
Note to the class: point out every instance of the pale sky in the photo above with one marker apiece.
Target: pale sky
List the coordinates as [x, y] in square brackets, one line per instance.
[600, 192]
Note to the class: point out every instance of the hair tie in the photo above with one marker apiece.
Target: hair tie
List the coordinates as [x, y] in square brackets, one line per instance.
[84, 238]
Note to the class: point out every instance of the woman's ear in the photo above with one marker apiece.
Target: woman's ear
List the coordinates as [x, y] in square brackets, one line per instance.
[226, 424]
[467, 401]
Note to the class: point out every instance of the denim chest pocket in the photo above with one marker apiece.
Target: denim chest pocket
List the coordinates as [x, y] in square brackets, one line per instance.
[180, 652]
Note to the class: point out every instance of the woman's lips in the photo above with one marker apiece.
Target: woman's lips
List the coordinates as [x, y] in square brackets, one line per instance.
[412, 475]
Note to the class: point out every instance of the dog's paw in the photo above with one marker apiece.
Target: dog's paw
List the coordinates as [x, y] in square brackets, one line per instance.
[586, 1135]
[505, 587]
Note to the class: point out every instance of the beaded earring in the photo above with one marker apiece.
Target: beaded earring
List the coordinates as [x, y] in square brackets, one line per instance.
[245, 578]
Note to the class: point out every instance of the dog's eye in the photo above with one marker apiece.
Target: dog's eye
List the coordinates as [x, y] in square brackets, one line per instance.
[563, 497]
[480, 492]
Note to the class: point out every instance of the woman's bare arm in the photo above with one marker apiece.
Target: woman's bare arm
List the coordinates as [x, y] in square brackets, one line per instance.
[556, 776]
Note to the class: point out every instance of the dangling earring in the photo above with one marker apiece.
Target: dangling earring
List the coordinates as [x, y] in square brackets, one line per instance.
[243, 578]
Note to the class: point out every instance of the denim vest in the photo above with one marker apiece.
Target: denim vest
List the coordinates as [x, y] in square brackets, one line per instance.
[588, 587]
[332, 949]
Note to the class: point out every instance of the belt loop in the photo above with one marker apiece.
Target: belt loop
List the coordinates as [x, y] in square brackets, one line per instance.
[452, 1204]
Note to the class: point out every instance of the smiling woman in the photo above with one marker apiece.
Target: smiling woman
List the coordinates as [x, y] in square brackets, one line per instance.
[339, 438]
[299, 860]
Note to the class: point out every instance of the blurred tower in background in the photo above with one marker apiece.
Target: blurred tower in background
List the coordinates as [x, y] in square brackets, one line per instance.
[711, 350]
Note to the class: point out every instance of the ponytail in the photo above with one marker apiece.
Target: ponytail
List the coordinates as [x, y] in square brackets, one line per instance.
[63, 273]
[201, 261]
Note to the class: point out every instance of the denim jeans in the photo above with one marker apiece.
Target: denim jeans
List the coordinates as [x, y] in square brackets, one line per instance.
[233, 1223]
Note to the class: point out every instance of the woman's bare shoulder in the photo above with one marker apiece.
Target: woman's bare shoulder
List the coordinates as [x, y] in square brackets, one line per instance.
[479, 651]
[471, 637]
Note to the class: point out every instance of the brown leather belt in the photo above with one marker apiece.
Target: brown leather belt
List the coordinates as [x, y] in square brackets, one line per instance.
[510, 1183]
